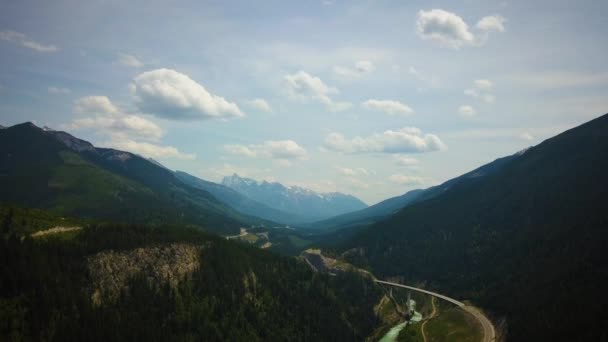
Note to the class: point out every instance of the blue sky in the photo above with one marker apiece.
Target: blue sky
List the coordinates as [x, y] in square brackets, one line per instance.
[371, 98]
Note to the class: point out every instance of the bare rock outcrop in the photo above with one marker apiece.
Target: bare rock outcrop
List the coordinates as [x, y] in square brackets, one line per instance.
[111, 271]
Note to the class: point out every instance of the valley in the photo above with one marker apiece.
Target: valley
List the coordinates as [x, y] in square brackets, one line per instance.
[108, 233]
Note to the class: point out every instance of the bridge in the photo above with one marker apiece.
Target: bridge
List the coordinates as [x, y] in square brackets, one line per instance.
[434, 294]
[489, 334]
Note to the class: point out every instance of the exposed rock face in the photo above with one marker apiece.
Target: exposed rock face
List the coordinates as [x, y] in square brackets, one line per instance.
[111, 271]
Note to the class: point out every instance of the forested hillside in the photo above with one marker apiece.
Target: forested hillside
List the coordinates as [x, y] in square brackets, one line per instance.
[526, 242]
[125, 283]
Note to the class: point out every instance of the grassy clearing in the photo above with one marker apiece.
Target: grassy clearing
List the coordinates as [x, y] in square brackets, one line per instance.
[453, 325]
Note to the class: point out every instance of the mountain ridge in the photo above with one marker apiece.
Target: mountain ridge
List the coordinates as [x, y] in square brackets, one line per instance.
[527, 241]
[57, 171]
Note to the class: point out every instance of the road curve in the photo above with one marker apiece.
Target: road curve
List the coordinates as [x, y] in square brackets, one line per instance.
[489, 333]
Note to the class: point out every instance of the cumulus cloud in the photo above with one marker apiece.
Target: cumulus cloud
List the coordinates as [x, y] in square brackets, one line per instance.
[129, 61]
[405, 179]
[271, 149]
[481, 90]
[449, 30]
[172, 95]
[404, 140]
[122, 130]
[58, 90]
[21, 39]
[466, 111]
[305, 87]
[387, 106]
[260, 104]
[107, 118]
[95, 105]
[361, 68]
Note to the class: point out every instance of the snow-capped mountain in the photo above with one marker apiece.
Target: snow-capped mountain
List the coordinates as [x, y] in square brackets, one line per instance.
[294, 199]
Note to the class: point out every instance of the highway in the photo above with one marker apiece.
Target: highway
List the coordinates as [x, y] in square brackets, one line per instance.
[489, 333]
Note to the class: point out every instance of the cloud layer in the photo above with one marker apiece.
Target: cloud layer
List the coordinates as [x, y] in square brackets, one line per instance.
[172, 95]
[404, 140]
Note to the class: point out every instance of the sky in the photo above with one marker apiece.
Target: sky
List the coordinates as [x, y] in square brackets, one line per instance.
[370, 98]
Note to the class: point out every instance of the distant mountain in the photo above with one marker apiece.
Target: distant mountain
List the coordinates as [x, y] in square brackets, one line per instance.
[238, 201]
[56, 171]
[526, 240]
[295, 200]
[379, 211]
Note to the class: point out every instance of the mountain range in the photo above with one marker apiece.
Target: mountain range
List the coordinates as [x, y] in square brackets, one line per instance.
[305, 204]
[55, 171]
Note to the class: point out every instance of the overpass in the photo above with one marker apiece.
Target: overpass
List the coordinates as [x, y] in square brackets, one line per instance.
[489, 334]
[434, 294]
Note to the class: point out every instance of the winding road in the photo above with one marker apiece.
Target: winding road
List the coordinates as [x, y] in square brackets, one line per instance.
[489, 333]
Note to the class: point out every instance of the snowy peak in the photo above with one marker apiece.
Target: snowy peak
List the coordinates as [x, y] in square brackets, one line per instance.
[294, 199]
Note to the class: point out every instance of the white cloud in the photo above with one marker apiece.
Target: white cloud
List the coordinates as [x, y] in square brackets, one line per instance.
[95, 104]
[108, 119]
[305, 87]
[481, 90]
[361, 68]
[120, 126]
[149, 150]
[449, 30]
[466, 111]
[271, 149]
[387, 106]
[492, 23]
[57, 90]
[483, 84]
[172, 95]
[23, 40]
[120, 130]
[444, 28]
[406, 161]
[129, 60]
[405, 179]
[404, 140]
[353, 171]
[526, 136]
[260, 104]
